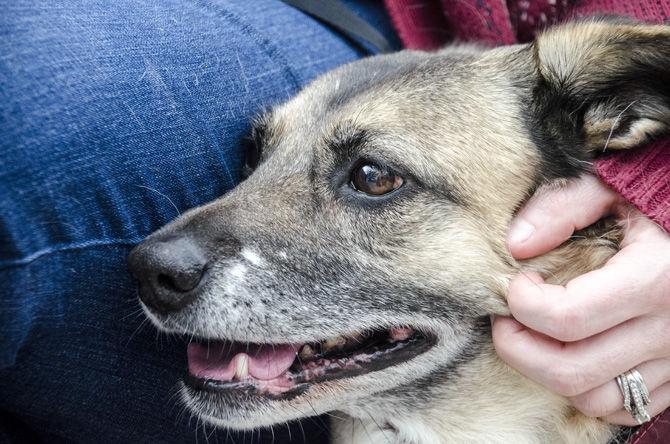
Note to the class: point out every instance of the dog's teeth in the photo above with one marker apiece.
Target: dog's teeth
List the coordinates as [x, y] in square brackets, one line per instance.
[242, 367]
[306, 352]
[334, 342]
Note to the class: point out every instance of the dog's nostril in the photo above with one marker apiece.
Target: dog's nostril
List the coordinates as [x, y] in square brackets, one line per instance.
[167, 282]
[181, 282]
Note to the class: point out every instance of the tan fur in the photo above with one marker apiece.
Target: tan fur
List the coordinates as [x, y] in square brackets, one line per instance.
[476, 131]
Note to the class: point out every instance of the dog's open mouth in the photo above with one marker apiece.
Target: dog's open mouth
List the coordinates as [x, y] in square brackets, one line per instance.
[286, 370]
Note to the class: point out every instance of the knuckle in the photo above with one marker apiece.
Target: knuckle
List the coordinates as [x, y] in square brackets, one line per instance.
[568, 323]
[567, 380]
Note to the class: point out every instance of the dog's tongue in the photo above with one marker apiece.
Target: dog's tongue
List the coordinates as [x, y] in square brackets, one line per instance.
[224, 361]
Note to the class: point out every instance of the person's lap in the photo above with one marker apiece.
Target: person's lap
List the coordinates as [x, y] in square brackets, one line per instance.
[115, 117]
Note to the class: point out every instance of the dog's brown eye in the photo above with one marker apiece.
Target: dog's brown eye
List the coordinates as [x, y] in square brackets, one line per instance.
[374, 180]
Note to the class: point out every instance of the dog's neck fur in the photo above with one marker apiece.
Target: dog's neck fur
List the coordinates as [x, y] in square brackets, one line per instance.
[491, 402]
[477, 409]
[492, 405]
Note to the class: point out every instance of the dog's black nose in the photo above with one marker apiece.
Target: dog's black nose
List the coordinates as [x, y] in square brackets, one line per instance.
[169, 271]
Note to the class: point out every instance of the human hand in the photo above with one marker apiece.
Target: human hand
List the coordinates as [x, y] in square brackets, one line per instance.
[575, 339]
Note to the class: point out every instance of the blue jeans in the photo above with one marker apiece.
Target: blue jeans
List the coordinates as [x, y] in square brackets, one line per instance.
[114, 117]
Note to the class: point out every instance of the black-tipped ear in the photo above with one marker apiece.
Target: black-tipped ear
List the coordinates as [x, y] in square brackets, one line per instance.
[602, 84]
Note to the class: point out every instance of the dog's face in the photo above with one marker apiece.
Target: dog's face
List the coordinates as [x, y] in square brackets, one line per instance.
[360, 261]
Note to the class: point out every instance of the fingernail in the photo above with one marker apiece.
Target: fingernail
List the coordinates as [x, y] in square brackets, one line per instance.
[519, 232]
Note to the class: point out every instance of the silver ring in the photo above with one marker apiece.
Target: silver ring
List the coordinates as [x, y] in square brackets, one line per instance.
[635, 395]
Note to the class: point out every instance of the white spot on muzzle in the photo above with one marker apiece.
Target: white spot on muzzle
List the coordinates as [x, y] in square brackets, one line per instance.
[252, 256]
[238, 270]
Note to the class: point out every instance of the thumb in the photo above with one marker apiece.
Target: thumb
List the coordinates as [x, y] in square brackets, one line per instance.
[551, 216]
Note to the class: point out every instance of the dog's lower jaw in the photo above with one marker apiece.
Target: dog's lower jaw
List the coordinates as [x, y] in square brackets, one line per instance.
[493, 406]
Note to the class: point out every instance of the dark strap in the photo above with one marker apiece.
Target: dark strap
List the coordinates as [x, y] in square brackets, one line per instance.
[337, 15]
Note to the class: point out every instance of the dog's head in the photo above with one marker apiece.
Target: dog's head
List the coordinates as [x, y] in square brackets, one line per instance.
[366, 251]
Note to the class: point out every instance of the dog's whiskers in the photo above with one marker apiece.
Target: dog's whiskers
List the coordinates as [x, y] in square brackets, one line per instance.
[365, 429]
[161, 194]
[288, 430]
[137, 330]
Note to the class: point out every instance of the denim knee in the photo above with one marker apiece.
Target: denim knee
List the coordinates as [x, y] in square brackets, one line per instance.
[116, 116]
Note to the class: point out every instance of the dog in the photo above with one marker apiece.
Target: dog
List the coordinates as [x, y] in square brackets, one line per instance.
[356, 269]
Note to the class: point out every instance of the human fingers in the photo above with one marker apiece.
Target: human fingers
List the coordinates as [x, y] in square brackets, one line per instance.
[571, 369]
[607, 399]
[551, 216]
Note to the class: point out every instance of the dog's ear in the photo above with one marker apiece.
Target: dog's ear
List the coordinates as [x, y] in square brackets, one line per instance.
[601, 84]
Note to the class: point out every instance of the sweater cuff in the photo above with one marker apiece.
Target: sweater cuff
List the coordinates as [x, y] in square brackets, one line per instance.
[642, 176]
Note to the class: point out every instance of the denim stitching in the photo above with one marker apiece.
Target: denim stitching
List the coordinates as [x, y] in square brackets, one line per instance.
[66, 247]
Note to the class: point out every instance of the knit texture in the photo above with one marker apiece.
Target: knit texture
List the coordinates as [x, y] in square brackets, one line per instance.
[642, 175]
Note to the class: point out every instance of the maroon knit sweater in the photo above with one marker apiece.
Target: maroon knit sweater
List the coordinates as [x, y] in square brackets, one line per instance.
[642, 176]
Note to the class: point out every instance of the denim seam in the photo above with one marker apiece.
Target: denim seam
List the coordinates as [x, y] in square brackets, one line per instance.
[65, 247]
[270, 50]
